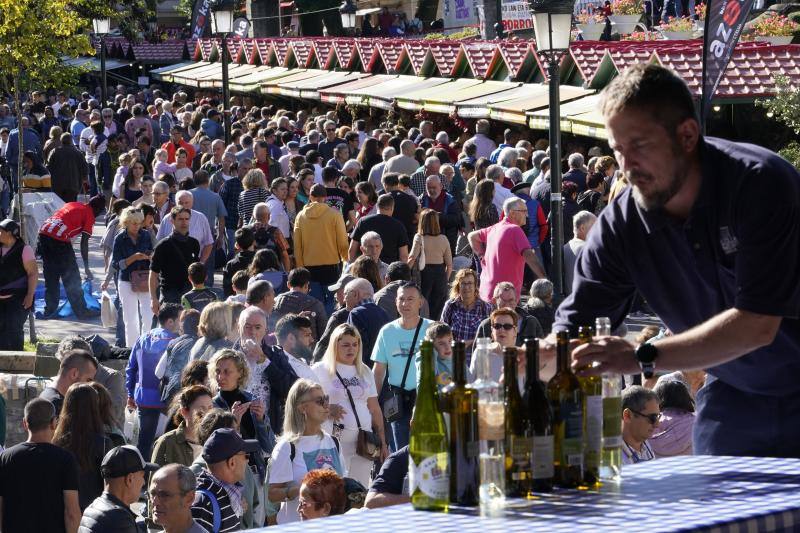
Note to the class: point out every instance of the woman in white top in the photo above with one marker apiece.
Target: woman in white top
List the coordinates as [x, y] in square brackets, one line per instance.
[304, 446]
[341, 371]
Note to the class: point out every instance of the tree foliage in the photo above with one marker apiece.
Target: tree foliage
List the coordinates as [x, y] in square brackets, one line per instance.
[785, 107]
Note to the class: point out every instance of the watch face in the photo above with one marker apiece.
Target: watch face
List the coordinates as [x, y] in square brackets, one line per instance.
[646, 353]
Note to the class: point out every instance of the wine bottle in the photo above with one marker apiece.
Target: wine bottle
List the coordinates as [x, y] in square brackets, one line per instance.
[566, 398]
[518, 443]
[611, 461]
[540, 421]
[462, 405]
[428, 479]
[490, 432]
[593, 419]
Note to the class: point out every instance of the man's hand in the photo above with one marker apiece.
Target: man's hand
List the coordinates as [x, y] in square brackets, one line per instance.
[131, 404]
[614, 354]
[87, 274]
[337, 412]
[154, 306]
[28, 301]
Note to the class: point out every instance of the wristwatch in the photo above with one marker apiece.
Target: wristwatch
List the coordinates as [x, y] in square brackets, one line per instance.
[646, 355]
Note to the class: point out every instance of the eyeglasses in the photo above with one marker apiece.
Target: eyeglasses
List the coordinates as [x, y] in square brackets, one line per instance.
[330, 130]
[507, 327]
[652, 417]
[322, 401]
[521, 211]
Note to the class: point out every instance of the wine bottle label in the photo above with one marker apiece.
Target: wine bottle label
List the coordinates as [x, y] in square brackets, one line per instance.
[521, 450]
[594, 430]
[542, 457]
[430, 476]
[612, 422]
[491, 420]
[572, 415]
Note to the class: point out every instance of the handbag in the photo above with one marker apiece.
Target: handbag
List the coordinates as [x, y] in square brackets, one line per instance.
[421, 257]
[140, 280]
[395, 398]
[368, 444]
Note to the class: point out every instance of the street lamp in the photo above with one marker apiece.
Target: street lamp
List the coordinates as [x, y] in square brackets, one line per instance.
[348, 13]
[223, 13]
[552, 23]
[102, 27]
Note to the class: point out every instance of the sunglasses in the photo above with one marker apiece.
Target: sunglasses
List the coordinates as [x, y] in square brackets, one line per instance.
[507, 327]
[322, 401]
[652, 418]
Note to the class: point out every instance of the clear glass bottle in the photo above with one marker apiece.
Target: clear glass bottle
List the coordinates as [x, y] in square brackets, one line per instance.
[491, 422]
[592, 418]
[611, 460]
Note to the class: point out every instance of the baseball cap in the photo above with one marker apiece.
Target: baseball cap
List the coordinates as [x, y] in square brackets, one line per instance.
[293, 145]
[124, 460]
[10, 226]
[341, 282]
[225, 443]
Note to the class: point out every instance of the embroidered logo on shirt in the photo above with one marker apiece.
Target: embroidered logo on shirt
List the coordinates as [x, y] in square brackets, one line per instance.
[728, 240]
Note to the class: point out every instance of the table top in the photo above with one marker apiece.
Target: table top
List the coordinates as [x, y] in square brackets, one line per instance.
[689, 493]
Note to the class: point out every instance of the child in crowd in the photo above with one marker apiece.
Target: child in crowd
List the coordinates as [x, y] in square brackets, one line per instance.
[182, 170]
[125, 161]
[160, 165]
[239, 284]
[200, 296]
[441, 336]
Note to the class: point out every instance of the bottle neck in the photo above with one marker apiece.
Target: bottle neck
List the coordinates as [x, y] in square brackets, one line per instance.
[531, 367]
[426, 381]
[510, 373]
[563, 358]
[459, 371]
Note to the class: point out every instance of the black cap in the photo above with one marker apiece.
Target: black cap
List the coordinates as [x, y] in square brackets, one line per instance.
[10, 226]
[521, 186]
[124, 460]
[225, 443]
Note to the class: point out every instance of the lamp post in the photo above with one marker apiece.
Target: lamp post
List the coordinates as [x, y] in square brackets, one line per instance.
[552, 23]
[348, 13]
[102, 27]
[223, 25]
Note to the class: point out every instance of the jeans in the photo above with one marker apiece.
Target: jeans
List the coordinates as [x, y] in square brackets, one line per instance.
[120, 332]
[231, 249]
[59, 264]
[134, 304]
[103, 177]
[148, 424]
[92, 180]
[321, 293]
[210, 266]
[400, 431]
[12, 323]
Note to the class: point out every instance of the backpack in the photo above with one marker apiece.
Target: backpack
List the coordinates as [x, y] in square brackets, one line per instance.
[217, 515]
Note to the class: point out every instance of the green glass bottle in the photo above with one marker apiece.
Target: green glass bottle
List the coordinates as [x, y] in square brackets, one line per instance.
[518, 443]
[593, 419]
[428, 474]
[539, 421]
[566, 398]
[462, 405]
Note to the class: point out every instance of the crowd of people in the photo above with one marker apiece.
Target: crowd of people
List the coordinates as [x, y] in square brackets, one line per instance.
[274, 397]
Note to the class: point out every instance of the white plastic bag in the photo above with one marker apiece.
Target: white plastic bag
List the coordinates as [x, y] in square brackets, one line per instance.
[131, 428]
[108, 313]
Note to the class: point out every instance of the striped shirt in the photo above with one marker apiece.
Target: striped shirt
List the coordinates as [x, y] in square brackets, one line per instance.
[248, 200]
[203, 510]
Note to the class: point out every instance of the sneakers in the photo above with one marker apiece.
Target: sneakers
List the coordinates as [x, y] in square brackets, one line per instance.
[90, 313]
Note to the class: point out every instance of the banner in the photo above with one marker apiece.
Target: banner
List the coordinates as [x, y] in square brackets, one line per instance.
[724, 23]
[516, 15]
[201, 17]
[458, 14]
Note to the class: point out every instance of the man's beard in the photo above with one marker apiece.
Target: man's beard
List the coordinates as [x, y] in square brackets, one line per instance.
[657, 199]
[303, 352]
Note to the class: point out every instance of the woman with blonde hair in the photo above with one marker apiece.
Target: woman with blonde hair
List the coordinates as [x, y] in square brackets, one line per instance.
[229, 376]
[304, 446]
[432, 247]
[215, 325]
[254, 184]
[350, 385]
[131, 257]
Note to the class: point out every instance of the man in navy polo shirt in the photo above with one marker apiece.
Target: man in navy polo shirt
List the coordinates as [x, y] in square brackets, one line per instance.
[709, 233]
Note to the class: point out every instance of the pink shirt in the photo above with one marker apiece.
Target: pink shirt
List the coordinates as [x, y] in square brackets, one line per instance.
[503, 259]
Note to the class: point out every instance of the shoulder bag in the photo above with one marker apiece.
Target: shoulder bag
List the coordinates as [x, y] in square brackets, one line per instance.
[396, 400]
[368, 444]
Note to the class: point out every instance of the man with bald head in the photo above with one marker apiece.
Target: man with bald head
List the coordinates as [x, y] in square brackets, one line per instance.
[450, 218]
[365, 315]
[199, 228]
[404, 162]
[431, 168]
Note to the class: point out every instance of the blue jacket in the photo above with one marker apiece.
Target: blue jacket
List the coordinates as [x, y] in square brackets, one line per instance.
[140, 376]
[532, 227]
[212, 128]
[368, 318]
[30, 141]
[124, 247]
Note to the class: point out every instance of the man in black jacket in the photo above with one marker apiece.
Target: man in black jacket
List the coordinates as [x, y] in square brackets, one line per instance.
[68, 170]
[124, 471]
[245, 250]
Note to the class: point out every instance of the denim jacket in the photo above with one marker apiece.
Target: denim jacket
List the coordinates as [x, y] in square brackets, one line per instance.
[124, 247]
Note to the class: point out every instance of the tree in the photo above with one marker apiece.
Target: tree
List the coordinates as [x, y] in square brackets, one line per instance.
[34, 37]
[785, 107]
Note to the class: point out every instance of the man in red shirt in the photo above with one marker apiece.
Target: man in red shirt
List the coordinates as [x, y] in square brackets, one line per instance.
[58, 258]
[176, 141]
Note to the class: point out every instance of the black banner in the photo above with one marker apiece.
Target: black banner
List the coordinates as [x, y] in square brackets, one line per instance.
[724, 23]
[201, 17]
